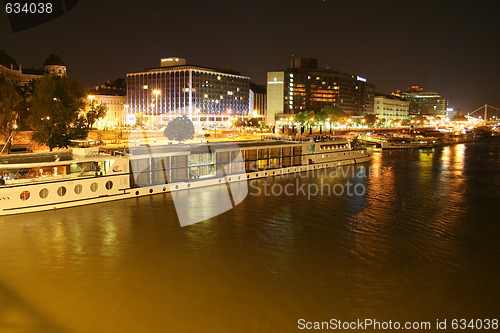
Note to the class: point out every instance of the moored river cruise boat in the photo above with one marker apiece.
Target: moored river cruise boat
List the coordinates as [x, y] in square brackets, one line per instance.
[88, 174]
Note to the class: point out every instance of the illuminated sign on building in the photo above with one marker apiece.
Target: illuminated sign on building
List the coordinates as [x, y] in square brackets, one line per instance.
[359, 78]
[173, 61]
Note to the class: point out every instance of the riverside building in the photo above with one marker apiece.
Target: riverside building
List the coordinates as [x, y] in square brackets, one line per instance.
[305, 87]
[258, 100]
[210, 97]
[113, 95]
[390, 107]
[424, 102]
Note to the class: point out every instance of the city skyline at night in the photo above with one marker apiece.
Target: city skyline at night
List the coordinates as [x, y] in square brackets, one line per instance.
[441, 47]
[249, 166]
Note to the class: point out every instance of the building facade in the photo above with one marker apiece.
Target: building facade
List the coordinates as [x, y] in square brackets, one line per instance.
[305, 87]
[209, 96]
[113, 95]
[11, 70]
[390, 107]
[424, 102]
[258, 101]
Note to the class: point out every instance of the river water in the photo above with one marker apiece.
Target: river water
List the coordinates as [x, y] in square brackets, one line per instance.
[419, 241]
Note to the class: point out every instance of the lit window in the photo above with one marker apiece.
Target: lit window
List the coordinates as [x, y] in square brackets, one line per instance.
[25, 195]
[44, 193]
[61, 191]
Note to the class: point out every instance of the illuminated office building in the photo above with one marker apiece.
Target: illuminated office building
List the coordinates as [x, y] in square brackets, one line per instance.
[258, 100]
[424, 102]
[305, 87]
[207, 95]
[390, 107]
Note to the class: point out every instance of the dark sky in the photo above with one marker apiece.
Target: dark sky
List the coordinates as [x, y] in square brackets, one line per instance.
[452, 47]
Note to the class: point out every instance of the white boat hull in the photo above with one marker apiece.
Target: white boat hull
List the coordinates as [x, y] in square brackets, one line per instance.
[13, 198]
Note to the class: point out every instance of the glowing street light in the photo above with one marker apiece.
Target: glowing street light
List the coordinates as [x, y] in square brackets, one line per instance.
[156, 92]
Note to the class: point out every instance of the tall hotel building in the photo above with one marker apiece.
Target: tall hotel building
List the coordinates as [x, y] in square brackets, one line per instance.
[305, 87]
[424, 102]
[208, 96]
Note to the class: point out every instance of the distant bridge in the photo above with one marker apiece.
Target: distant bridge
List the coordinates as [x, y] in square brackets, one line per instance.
[488, 110]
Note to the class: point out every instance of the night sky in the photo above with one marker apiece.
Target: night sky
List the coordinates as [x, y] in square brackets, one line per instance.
[451, 47]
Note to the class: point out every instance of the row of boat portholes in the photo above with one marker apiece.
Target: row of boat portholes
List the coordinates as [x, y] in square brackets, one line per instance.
[61, 191]
[248, 176]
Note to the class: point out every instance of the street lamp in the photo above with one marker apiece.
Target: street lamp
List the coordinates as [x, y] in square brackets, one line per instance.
[156, 92]
[91, 97]
[10, 141]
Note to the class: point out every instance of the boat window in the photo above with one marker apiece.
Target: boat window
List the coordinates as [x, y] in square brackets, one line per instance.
[78, 189]
[44, 193]
[61, 191]
[109, 185]
[25, 195]
[94, 187]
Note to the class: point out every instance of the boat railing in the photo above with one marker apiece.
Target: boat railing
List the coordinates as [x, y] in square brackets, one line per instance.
[49, 178]
[287, 137]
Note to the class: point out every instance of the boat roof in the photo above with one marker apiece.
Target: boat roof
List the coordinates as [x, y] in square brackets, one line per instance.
[44, 157]
[215, 145]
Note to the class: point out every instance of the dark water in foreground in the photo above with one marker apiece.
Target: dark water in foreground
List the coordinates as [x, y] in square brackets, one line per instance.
[423, 243]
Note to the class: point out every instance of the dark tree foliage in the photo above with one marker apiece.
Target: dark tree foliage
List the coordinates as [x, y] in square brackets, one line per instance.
[305, 117]
[332, 113]
[240, 123]
[95, 112]
[370, 118]
[10, 101]
[179, 129]
[56, 107]
[24, 112]
[254, 122]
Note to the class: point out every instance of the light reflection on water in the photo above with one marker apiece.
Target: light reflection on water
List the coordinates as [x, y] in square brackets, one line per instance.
[421, 244]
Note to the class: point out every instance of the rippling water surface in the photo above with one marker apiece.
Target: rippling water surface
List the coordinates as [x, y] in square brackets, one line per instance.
[422, 243]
